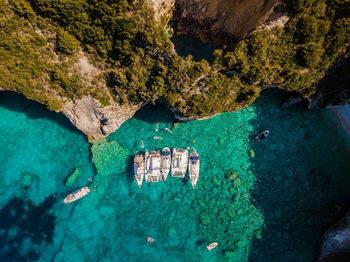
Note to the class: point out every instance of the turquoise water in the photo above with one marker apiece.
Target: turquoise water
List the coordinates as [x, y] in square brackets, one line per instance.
[261, 201]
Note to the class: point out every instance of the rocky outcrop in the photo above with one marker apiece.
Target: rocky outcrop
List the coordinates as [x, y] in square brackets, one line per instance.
[161, 8]
[221, 20]
[95, 120]
[336, 239]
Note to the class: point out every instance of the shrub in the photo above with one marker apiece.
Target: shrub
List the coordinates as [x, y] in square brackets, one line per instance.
[66, 43]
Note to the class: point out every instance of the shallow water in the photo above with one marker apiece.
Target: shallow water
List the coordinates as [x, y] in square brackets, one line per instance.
[273, 207]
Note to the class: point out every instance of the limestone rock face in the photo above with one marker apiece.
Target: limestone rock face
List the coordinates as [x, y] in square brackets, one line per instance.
[160, 7]
[95, 120]
[220, 20]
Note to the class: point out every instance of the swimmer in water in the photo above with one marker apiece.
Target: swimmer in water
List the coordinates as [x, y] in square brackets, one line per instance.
[149, 239]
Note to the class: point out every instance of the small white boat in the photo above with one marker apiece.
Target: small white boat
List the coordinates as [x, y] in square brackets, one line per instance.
[166, 162]
[193, 168]
[212, 246]
[179, 162]
[262, 135]
[77, 195]
[153, 166]
[139, 169]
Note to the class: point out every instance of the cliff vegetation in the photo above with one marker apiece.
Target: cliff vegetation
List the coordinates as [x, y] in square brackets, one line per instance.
[41, 41]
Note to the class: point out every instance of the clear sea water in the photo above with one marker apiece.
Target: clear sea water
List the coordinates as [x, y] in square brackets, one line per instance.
[261, 201]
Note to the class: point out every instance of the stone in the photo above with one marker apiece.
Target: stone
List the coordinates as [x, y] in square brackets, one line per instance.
[87, 113]
[204, 219]
[73, 177]
[232, 175]
[216, 181]
[229, 254]
[27, 179]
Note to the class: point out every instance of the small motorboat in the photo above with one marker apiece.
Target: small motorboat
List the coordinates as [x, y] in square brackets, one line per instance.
[212, 246]
[262, 135]
[157, 137]
[77, 195]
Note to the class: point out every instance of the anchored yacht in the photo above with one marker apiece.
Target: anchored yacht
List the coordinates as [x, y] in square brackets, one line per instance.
[193, 168]
[179, 162]
[77, 195]
[153, 166]
[139, 169]
[166, 163]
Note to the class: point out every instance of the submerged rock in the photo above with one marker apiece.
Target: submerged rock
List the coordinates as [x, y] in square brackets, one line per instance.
[73, 177]
[252, 153]
[292, 101]
[232, 175]
[26, 179]
[229, 254]
[204, 219]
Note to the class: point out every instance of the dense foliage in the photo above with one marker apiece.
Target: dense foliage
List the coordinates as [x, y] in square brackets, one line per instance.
[295, 58]
[41, 40]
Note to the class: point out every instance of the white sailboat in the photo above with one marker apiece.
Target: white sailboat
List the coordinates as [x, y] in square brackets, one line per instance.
[153, 166]
[139, 169]
[166, 163]
[77, 195]
[193, 168]
[179, 162]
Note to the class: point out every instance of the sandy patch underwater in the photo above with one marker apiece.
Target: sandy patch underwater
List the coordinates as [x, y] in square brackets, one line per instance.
[268, 203]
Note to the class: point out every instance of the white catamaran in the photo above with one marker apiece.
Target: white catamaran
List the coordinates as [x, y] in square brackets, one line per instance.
[179, 162]
[166, 163]
[77, 195]
[153, 166]
[193, 168]
[139, 169]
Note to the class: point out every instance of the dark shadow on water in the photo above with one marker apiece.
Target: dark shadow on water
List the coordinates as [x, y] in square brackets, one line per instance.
[34, 110]
[20, 221]
[157, 113]
[130, 176]
[297, 193]
[188, 45]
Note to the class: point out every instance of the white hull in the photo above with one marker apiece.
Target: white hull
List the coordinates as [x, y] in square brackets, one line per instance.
[166, 163]
[139, 169]
[77, 195]
[179, 162]
[193, 168]
[153, 166]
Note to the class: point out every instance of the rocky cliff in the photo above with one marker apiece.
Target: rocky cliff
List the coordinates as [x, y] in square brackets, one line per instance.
[217, 21]
[99, 72]
[95, 120]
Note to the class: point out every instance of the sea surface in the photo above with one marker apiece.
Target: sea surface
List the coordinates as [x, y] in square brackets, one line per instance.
[261, 201]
